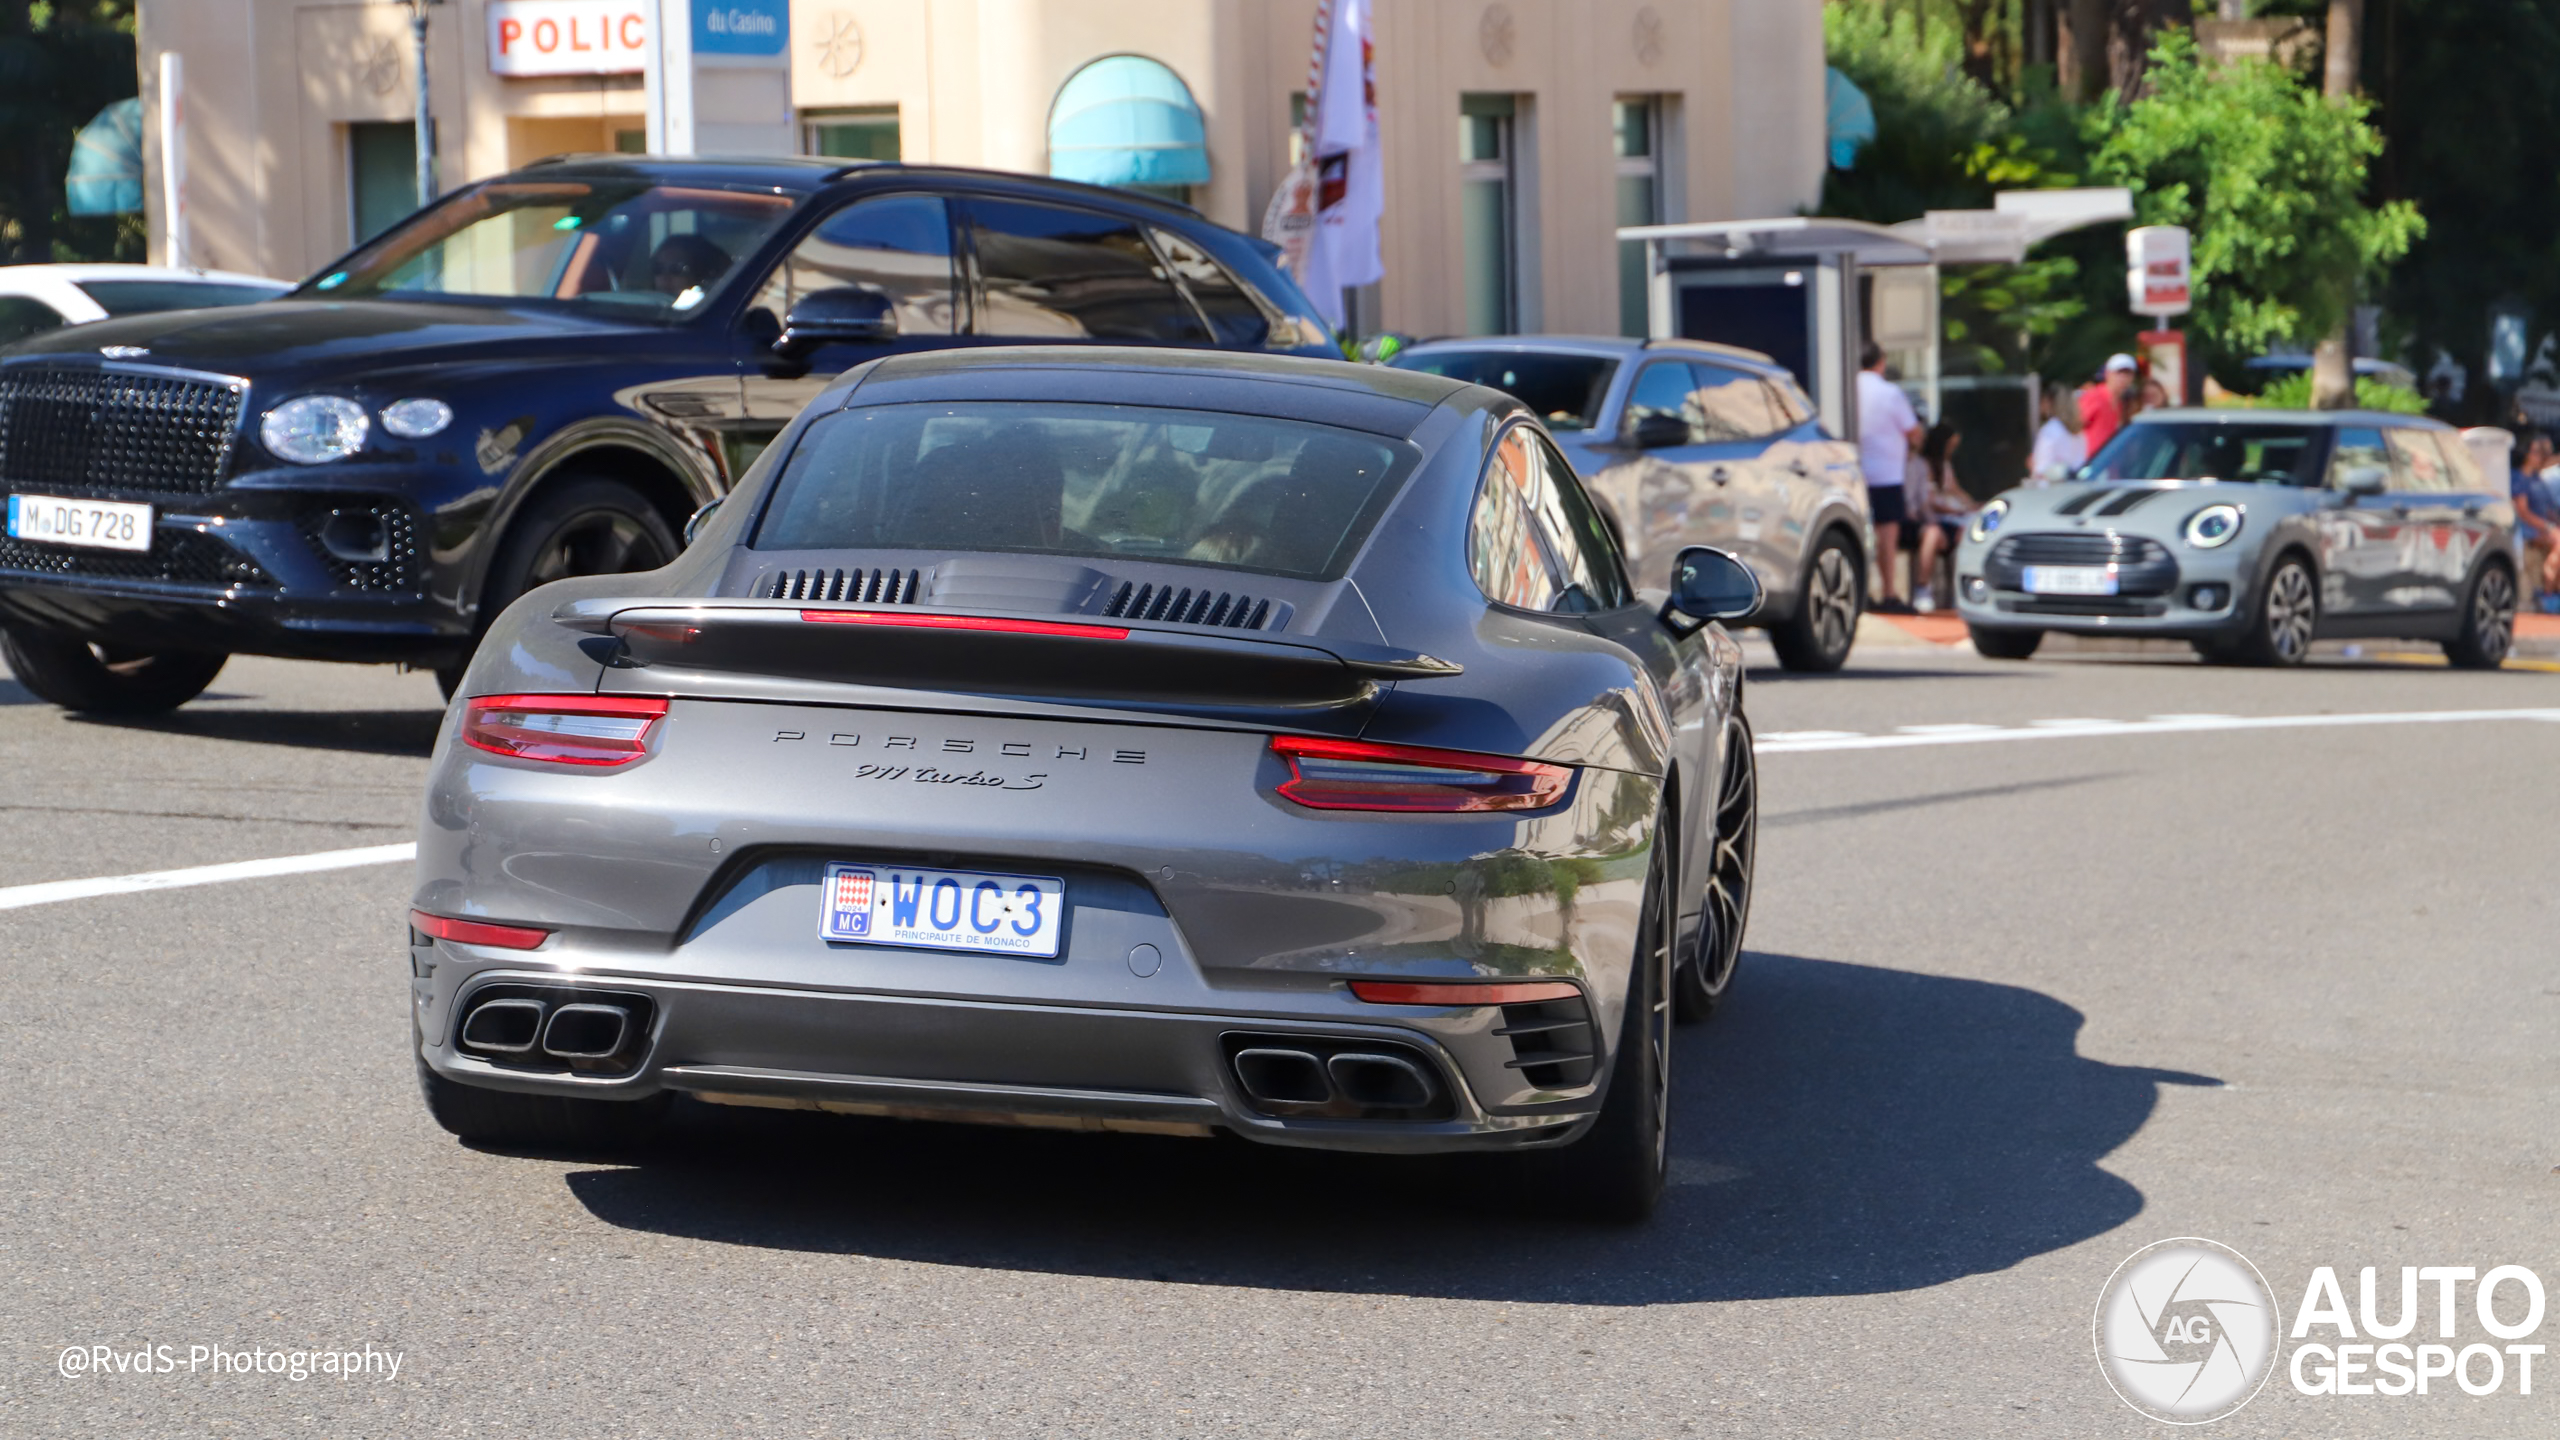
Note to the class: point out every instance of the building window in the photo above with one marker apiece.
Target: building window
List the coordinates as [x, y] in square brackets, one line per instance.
[870, 133]
[634, 141]
[1638, 130]
[382, 176]
[1489, 211]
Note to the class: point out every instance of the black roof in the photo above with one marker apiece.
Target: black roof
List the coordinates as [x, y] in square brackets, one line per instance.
[1374, 398]
[813, 172]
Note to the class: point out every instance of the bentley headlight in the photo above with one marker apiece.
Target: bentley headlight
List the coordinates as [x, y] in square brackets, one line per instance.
[2212, 526]
[314, 429]
[416, 418]
[1987, 524]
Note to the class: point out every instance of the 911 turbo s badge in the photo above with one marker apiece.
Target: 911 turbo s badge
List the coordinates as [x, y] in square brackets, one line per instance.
[979, 779]
[928, 775]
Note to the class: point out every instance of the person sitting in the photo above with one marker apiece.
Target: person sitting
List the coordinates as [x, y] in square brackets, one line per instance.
[1943, 508]
[2061, 449]
[686, 262]
[2537, 514]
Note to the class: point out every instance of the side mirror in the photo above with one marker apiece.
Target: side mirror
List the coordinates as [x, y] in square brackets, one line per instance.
[1658, 432]
[1708, 584]
[694, 523]
[2365, 480]
[847, 313]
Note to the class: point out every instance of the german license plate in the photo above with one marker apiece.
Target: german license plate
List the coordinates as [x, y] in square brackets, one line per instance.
[2070, 580]
[89, 524]
[942, 909]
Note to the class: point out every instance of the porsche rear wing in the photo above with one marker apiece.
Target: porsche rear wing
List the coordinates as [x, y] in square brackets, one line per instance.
[987, 653]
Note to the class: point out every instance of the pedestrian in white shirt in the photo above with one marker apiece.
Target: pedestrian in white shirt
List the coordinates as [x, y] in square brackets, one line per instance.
[1888, 431]
[2061, 448]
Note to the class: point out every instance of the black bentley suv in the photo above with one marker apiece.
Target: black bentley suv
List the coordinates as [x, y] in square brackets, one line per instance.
[542, 375]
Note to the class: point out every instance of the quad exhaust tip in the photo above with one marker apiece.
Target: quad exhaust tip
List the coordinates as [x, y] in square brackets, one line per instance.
[584, 1031]
[503, 1027]
[1332, 1081]
[549, 1027]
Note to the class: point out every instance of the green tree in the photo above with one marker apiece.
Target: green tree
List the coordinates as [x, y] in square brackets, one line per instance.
[61, 62]
[2269, 178]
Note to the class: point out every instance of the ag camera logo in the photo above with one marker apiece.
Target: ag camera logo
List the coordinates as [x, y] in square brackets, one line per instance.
[2186, 1331]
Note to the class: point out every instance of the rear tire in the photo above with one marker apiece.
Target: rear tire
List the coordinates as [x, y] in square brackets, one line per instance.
[2004, 644]
[2488, 621]
[540, 1122]
[1817, 637]
[105, 679]
[2284, 619]
[1700, 983]
[1616, 1170]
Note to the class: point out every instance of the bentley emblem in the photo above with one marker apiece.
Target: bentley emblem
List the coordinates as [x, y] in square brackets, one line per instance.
[124, 352]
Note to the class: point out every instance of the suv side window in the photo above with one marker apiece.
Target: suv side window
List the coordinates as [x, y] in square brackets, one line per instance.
[1664, 387]
[1571, 525]
[1056, 272]
[2418, 467]
[2355, 450]
[1233, 314]
[1732, 405]
[1793, 407]
[899, 245]
[1503, 550]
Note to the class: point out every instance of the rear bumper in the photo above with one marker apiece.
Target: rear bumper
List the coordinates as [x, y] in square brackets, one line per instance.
[1017, 1062]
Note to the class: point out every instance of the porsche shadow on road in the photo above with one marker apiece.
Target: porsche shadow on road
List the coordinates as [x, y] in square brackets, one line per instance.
[1843, 1129]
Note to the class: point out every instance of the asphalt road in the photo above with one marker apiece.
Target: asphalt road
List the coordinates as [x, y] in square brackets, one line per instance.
[2019, 1002]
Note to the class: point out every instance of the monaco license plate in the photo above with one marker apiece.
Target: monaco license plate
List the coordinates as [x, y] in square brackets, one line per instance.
[942, 909]
[89, 524]
[2070, 580]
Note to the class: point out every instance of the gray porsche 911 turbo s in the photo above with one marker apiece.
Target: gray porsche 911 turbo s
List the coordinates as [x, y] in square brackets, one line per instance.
[1146, 740]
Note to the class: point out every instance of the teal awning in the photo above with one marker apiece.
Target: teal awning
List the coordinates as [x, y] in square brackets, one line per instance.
[105, 175]
[1127, 120]
[1847, 117]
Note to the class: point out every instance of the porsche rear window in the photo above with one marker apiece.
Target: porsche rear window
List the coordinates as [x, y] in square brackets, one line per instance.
[1242, 492]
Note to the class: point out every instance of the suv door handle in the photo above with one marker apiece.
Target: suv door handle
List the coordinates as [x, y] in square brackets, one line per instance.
[1721, 475]
[1798, 467]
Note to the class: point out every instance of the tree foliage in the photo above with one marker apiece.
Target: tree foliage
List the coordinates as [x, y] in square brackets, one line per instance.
[60, 64]
[2269, 179]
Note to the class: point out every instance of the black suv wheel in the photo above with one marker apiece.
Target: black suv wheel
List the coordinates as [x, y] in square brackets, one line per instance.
[106, 679]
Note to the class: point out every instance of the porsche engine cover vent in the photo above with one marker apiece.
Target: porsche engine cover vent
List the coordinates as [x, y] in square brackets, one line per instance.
[1186, 606]
[868, 587]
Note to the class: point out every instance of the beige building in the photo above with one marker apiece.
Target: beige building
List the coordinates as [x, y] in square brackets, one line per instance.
[1518, 134]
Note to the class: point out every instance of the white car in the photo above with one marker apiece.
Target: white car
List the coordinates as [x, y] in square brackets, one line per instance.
[37, 298]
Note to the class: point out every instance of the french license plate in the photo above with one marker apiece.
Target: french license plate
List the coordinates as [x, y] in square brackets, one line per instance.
[2070, 580]
[942, 909]
[89, 524]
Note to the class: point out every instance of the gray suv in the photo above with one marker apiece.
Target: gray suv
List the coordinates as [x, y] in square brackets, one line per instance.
[1696, 444]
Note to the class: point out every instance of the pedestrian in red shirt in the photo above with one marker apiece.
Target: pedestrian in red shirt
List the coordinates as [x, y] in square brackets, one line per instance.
[2102, 406]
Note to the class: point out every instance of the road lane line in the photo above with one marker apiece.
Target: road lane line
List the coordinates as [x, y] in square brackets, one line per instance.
[2159, 725]
[18, 896]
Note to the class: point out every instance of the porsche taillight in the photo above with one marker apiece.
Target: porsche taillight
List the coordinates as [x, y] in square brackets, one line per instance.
[599, 730]
[1365, 775]
[477, 932]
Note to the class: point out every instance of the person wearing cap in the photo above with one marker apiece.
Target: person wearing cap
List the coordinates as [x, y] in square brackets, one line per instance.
[2103, 405]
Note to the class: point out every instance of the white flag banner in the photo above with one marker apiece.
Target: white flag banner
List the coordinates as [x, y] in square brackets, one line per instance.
[1350, 186]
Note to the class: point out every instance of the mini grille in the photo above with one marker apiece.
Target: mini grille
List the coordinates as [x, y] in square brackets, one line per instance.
[398, 568]
[1187, 606]
[185, 559]
[2143, 566]
[866, 587]
[103, 431]
[1551, 1043]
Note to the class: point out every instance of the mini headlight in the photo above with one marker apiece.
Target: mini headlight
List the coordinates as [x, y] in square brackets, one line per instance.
[1986, 524]
[2213, 525]
[315, 428]
[416, 419]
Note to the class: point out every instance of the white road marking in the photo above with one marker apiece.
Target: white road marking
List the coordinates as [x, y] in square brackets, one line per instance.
[18, 896]
[1790, 743]
[1791, 736]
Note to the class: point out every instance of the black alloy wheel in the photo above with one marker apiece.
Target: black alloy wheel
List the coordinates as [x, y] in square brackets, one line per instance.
[1817, 637]
[1616, 1170]
[2488, 622]
[579, 525]
[107, 679]
[1700, 984]
[2287, 615]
